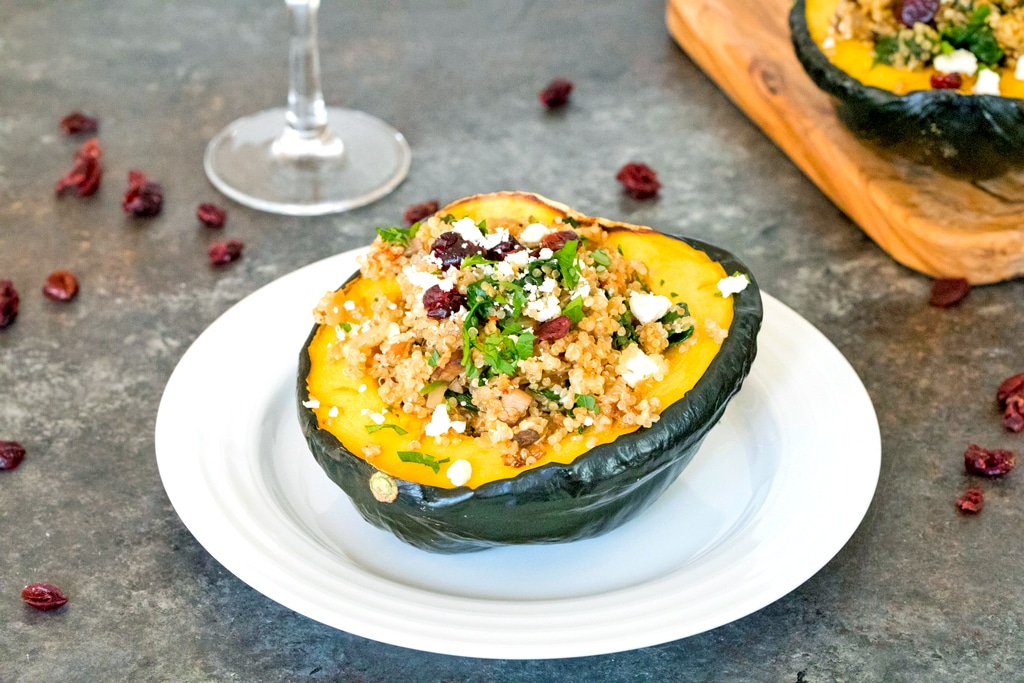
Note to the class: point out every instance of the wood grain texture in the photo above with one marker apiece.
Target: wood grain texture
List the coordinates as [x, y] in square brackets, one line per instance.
[935, 224]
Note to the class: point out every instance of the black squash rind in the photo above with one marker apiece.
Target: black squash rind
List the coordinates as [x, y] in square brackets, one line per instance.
[554, 503]
[970, 136]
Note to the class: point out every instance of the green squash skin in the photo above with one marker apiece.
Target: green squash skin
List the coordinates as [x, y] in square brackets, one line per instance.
[966, 136]
[554, 503]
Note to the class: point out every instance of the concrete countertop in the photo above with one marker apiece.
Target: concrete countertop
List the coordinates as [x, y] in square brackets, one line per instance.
[919, 593]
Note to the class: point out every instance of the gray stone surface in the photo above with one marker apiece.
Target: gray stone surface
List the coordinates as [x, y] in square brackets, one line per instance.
[918, 594]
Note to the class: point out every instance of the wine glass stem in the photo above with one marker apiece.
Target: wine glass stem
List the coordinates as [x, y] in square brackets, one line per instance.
[307, 114]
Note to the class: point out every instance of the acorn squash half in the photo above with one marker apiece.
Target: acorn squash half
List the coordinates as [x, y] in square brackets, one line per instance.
[573, 492]
[960, 134]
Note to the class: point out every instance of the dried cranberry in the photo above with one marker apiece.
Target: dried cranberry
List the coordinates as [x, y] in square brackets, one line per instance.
[556, 94]
[60, 285]
[1013, 413]
[77, 122]
[949, 292]
[84, 177]
[211, 215]
[440, 304]
[639, 180]
[1011, 386]
[503, 248]
[224, 252]
[947, 81]
[553, 329]
[11, 454]
[450, 248]
[971, 501]
[417, 212]
[43, 596]
[556, 240]
[144, 198]
[994, 463]
[910, 12]
[8, 303]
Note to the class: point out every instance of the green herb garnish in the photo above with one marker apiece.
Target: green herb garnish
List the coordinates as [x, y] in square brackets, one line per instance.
[371, 429]
[431, 386]
[476, 260]
[432, 359]
[977, 37]
[566, 258]
[588, 402]
[396, 235]
[601, 257]
[574, 309]
[422, 459]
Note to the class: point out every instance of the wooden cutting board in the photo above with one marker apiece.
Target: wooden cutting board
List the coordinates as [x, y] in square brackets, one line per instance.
[935, 224]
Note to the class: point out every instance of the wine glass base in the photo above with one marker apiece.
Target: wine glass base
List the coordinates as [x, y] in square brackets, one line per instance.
[243, 162]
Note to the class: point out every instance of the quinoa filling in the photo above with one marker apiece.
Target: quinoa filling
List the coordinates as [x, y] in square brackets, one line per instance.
[522, 334]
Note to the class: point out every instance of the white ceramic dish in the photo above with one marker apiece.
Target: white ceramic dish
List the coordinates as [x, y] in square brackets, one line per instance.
[777, 489]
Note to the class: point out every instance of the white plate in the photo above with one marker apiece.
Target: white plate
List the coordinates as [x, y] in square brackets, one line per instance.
[777, 489]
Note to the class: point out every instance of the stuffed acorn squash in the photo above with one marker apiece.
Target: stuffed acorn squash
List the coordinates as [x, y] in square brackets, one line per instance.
[510, 371]
[935, 80]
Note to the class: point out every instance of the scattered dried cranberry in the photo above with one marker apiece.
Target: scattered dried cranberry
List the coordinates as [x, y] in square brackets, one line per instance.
[417, 212]
[639, 180]
[1013, 413]
[8, 303]
[77, 122]
[971, 501]
[553, 329]
[60, 285]
[450, 248]
[556, 240]
[994, 463]
[556, 94]
[910, 12]
[144, 198]
[211, 215]
[503, 248]
[946, 81]
[84, 177]
[224, 252]
[949, 292]
[440, 304]
[43, 596]
[1011, 386]
[11, 454]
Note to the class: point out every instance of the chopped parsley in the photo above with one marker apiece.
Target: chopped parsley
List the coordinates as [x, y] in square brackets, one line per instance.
[566, 258]
[502, 352]
[465, 400]
[422, 459]
[448, 218]
[574, 309]
[976, 35]
[431, 386]
[601, 257]
[373, 428]
[588, 402]
[396, 235]
[628, 336]
[569, 220]
[345, 326]
[677, 332]
[476, 260]
[432, 359]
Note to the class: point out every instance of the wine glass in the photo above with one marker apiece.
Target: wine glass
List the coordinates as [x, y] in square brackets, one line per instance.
[306, 159]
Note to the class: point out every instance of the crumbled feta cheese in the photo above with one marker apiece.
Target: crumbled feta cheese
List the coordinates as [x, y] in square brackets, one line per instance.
[377, 418]
[635, 366]
[311, 403]
[459, 426]
[439, 423]
[957, 62]
[467, 230]
[545, 253]
[828, 43]
[547, 286]
[987, 83]
[543, 309]
[521, 258]
[393, 330]
[533, 233]
[349, 305]
[362, 388]
[459, 472]
[647, 308]
[734, 284]
[333, 412]
[420, 278]
[505, 269]
[493, 239]
[582, 290]
[364, 412]
[1019, 71]
[340, 333]
[588, 421]
[335, 309]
